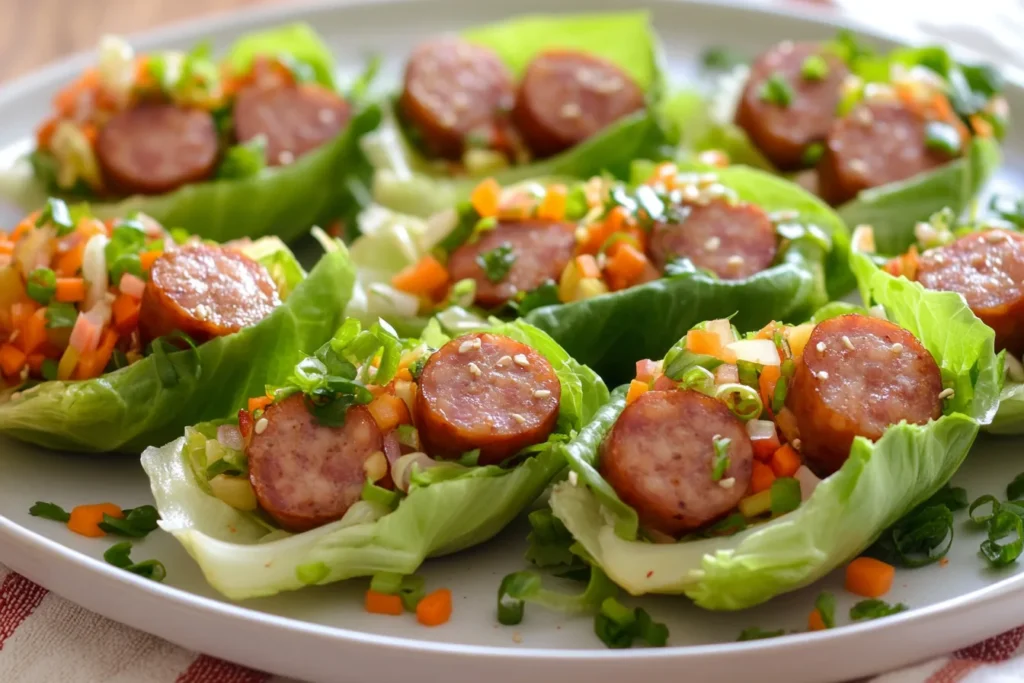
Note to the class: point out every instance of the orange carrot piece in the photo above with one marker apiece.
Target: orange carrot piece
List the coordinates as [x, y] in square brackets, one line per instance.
[389, 411]
[552, 207]
[147, 258]
[85, 519]
[869, 577]
[636, 390]
[664, 172]
[383, 603]
[762, 478]
[259, 403]
[33, 331]
[35, 363]
[587, 266]
[770, 375]
[92, 363]
[815, 622]
[702, 341]
[20, 312]
[626, 266]
[70, 289]
[404, 374]
[126, 313]
[422, 277]
[435, 609]
[785, 461]
[486, 197]
[12, 359]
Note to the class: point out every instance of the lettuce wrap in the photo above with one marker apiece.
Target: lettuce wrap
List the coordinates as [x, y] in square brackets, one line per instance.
[152, 399]
[878, 484]
[407, 182]
[601, 331]
[448, 507]
[892, 209]
[246, 197]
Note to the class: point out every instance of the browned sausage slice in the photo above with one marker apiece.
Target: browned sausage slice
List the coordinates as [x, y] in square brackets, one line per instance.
[783, 132]
[987, 268]
[857, 376]
[454, 90]
[156, 148]
[660, 455]
[567, 96]
[294, 119]
[875, 144]
[304, 474]
[542, 249]
[205, 291]
[733, 241]
[489, 392]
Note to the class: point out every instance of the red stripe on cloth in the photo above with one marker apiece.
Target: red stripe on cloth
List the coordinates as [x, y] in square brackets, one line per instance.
[954, 671]
[996, 649]
[206, 669]
[19, 597]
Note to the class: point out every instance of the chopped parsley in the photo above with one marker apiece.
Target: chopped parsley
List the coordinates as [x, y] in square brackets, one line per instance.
[61, 315]
[50, 511]
[755, 633]
[826, 606]
[812, 154]
[497, 262]
[41, 285]
[56, 213]
[942, 137]
[777, 91]
[814, 68]
[721, 461]
[875, 609]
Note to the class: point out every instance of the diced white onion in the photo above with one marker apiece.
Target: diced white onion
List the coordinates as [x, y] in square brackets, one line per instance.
[401, 470]
[116, 66]
[760, 351]
[231, 437]
[723, 328]
[376, 466]
[34, 250]
[437, 227]
[235, 491]
[75, 156]
[406, 391]
[808, 482]
[400, 303]
[864, 239]
[94, 269]
[761, 429]
[1014, 369]
[878, 311]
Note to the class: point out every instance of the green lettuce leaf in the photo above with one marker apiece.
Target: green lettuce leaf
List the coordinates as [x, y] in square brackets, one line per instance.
[297, 41]
[879, 482]
[1010, 418]
[407, 182]
[135, 407]
[460, 508]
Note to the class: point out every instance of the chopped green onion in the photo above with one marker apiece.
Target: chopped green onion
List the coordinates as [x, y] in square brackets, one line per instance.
[119, 556]
[788, 367]
[755, 633]
[376, 494]
[981, 518]
[748, 372]
[510, 609]
[744, 402]
[653, 633]
[49, 369]
[812, 154]
[618, 626]
[136, 522]
[180, 235]
[412, 590]
[721, 460]
[497, 262]
[407, 436]
[1015, 489]
[722, 58]
[617, 612]
[814, 68]
[733, 524]
[942, 137]
[875, 609]
[50, 511]
[779, 395]
[41, 285]
[1005, 540]
[56, 212]
[782, 344]
[388, 583]
[920, 538]
[826, 606]
[60, 315]
[785, 493]
[699, 379]
[953, 497]
[777, 91]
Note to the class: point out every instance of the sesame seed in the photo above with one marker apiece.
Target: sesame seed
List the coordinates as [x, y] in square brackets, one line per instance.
[896, 348]
[573, 478]
[261, 425]
[522, 360]
[326, 116]
[571, 110]
[469, 345]
[946, 393]
[735, 261]
[822, 375]
[503, 361]
[727, 483]
[518, 418]
[820, 346]
[202, 312]
[713, 243]
[285, 158]
[541, 393]
[797, 443]
[847, 343]
[858, 166]
[474, 370]
[995, 236]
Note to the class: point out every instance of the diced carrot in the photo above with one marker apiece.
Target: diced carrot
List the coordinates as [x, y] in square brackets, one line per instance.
[815, 622]
[33, 332]
[625, 267]
[764, 448]
[762, 477]
[383, 603]
[45, 132]
[85, 519]
[404, 374]
[126, 313]
[486, 197]
[20, 312]
[6, 246]
[869, 577]
[704, 342]
[766, 383]
[70, 289]
[92, 363]
[552, 207]
[389, 411]
[598, 233]
[12, 359]
[91, 132]
[422, 277]
[785, 461]
[982, 128]
[259, 403]
[586, 266]
[664, 173]
[768, 331]
[714, 157]
[147, 258]
[27, 223]
[636, 390]
[435, 609]
[35, 363]
[70, 261]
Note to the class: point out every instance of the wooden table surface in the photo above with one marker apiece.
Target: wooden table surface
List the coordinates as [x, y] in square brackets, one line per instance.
[35, 32]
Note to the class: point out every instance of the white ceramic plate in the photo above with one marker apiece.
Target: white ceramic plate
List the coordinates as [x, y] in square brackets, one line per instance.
[323, 634]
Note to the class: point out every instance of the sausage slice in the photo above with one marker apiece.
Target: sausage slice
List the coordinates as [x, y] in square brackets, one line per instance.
[987, 268]
[541, 248]
[205, 291]
[882, 376]
[304, 474]
[660, 455]
[783, 132]
[489, 392]
[567, 96]
[294, 119]
[156, 148]
[453, 90]
[733, 241]
[875, 144]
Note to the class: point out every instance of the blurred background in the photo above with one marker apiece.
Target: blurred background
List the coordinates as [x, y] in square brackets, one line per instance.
[35, 32]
